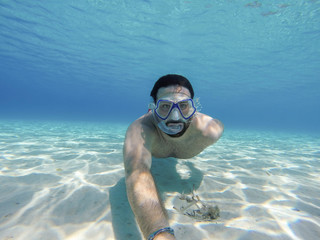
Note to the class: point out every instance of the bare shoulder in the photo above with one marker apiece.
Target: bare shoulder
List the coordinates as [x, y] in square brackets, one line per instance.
[210, 127]
[136, 149]
[139, 133]
[142, 125]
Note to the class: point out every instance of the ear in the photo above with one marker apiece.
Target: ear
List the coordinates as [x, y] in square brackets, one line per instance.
[151, 106]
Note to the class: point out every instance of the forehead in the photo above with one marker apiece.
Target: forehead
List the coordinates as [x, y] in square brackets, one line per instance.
[175, 91]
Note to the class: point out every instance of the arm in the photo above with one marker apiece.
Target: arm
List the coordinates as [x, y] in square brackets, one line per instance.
[141, 189]
[211, 128]
[215, 129]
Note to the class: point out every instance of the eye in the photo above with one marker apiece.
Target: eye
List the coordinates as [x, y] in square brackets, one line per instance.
[183, 105]
[165, 106]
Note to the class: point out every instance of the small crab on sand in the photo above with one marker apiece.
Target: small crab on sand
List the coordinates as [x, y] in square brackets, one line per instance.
[197, 209]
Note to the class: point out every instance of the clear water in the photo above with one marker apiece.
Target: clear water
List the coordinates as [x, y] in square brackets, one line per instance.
[250, 64]
[74, 74]
[66, 181]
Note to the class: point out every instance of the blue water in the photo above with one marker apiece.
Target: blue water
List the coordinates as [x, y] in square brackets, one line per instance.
[65, 180]
[253, 64]
[75, 73]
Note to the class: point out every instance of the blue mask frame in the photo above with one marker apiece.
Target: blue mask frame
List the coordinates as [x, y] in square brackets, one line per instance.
[175, 105]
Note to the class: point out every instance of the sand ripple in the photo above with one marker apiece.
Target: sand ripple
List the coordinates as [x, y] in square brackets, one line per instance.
[65, 181]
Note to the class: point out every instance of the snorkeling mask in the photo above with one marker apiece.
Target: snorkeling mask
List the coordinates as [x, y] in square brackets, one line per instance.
[166, 109]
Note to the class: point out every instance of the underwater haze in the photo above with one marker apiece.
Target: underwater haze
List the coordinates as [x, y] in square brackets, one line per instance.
[75, 73]
[251, 63]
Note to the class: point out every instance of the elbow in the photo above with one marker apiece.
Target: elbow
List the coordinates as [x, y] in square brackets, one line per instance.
[216, 131]
[220, 129]
[219, 126]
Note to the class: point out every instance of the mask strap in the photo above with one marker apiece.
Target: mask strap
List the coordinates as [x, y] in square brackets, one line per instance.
[151, 107]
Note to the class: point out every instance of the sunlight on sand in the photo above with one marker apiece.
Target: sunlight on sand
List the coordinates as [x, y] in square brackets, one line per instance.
[66, 181]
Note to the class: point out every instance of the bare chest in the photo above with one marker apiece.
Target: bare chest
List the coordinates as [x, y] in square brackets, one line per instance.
[184, 149]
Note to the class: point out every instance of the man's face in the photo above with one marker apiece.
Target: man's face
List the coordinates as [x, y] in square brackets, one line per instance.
[175, 94]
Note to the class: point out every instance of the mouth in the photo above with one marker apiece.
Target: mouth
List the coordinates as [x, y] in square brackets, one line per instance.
[178, 127]
[175, 125]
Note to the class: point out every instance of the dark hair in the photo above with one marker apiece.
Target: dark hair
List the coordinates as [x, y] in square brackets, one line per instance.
[169, 80]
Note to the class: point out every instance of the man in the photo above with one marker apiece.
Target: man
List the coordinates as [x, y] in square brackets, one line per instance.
[172, 128]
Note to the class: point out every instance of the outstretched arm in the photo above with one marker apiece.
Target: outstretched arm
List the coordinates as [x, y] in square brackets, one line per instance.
[141, 189]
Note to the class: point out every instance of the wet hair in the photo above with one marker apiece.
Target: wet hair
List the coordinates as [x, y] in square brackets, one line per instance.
[171, 80]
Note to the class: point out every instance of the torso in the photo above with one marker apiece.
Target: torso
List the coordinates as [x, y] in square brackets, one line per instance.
[185, 150]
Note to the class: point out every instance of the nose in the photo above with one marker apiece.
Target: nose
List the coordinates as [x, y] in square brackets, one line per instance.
[175, 115]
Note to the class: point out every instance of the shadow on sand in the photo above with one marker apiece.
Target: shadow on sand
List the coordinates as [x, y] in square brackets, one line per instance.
[167, 180]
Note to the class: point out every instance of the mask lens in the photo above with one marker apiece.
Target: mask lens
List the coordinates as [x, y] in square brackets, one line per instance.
[186, 108]
[163, 108]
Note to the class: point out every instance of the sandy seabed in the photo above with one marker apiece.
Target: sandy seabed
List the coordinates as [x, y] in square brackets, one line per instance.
[66, 181]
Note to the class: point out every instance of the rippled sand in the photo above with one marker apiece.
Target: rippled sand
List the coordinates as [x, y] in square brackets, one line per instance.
[65, 181]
